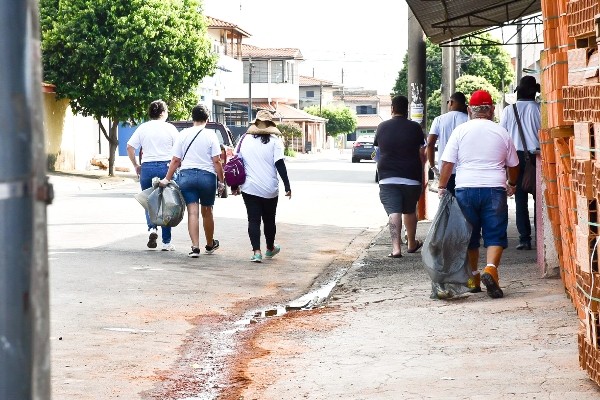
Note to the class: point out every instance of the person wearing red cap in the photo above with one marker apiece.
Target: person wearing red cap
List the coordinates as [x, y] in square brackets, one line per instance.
[484, 155]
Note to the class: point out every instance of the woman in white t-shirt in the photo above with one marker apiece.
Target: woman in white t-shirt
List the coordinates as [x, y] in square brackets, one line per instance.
[197, 153]
[263, 157]
[156, 137]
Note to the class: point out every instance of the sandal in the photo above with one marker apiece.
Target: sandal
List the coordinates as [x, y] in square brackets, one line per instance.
[391, 255]
[419, 245]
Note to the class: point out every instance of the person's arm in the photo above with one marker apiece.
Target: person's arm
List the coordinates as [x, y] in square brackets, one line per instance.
[282, 170]
[511, 183]
[220, 174]
[431, 141]
[173, 165]
[131, 154]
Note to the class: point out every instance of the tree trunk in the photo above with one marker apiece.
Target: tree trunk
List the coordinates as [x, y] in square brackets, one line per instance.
[113, 143]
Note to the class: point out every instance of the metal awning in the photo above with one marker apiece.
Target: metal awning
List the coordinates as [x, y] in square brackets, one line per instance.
[445, 21]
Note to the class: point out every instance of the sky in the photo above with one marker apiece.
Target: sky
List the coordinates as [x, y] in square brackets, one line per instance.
[357, 43]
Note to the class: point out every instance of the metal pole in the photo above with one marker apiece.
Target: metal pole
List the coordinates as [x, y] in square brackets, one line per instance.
[417, 94]
[249, 90]
[446, 65]
[452, 69]
[519, 51]
[24, 194]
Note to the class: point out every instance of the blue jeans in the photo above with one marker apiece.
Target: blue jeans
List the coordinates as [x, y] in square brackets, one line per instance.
[150, 170]
[486, 209]
[521, 203]
[198, 185]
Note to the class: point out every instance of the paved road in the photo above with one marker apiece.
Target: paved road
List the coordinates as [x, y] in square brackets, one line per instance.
[128, 322]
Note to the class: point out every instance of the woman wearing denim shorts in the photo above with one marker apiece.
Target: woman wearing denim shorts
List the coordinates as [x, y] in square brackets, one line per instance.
[197, 153]
[484, 155]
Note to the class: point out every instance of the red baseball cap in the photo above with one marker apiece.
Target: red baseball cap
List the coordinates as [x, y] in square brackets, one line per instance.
[481, 98]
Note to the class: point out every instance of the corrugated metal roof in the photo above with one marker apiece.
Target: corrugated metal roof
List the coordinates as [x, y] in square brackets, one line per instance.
[270, 53]
[443, 20]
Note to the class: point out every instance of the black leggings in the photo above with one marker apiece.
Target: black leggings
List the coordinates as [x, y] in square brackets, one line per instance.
[260, 208]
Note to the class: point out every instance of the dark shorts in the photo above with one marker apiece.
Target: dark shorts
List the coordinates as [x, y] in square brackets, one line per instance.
[198, 185]
[399, 199]
[486, 209]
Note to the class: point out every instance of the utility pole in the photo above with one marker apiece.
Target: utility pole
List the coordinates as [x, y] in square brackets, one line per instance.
[417, 93]
[249, 90]
[519, 51]
[24, 195]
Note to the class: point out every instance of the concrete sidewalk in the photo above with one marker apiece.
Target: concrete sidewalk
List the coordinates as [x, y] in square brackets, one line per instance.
[382, 337]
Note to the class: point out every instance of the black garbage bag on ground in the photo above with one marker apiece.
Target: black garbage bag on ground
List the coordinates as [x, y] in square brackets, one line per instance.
[165, 206]
[444, 252]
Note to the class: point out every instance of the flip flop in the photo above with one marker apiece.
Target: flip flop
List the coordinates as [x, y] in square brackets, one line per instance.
[394, 255]
[419, 245]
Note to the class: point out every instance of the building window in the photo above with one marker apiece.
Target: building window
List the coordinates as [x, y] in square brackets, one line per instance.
[260, 72]
[277, 71]
[365, 110]
[310, 93]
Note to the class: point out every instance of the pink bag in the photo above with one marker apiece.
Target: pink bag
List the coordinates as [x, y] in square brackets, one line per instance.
[235, 174]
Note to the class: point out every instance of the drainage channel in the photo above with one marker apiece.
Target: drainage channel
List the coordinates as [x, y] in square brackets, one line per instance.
[223, 343]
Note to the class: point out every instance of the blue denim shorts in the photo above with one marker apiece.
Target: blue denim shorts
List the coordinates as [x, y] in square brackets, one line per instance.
[486, 209]
[198, 185]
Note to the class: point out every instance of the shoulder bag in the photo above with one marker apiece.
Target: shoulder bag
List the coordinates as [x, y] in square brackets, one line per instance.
[234, 171]
[529, 174]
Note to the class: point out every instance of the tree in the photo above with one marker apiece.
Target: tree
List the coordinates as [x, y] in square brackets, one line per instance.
[339, 119]
[466, 84]
[477, 56]
[111, 58]
[289, 130]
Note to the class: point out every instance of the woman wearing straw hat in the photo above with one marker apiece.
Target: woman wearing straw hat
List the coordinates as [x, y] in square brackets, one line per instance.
[262, 152]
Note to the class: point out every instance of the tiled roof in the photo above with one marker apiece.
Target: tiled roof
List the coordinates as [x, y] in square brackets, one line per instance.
[368, 121]
[311, 81]
[354, 98]
[269, 53]
[286, 112]
[214, 23]
[385, 100]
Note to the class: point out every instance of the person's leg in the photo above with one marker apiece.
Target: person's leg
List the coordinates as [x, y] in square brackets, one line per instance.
[165, 230]
[194, 223]
[410, 197]
[269, 209]
[254, 211]
[410, 224]
[522, 209]
[468, 200]
[395, 225]
[208, 223]
[146, 174]
[494, 214]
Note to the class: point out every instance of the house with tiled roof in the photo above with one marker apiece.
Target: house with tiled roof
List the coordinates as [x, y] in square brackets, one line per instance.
[370, 108]
[316, 92]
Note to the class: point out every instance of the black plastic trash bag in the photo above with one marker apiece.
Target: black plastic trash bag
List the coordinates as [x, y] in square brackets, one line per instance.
[444, 252]
[165, 206]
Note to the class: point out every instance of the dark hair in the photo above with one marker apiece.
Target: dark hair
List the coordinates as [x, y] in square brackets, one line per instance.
[400, 105]
[200, 113]
[264, 138]
[156, 108]
[461, 99]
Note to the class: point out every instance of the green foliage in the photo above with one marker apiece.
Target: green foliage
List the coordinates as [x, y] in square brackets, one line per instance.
[111, 58]
[478, 59]
[340, 120]
[289, 130]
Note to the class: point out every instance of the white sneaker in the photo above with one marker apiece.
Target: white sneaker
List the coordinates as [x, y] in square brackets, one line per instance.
[168, 247]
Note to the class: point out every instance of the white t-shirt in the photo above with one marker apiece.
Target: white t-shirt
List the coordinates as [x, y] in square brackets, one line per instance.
[442, 126]
[531, 120]
[259, 163]
[202, 150]
[480, 149]
[156, 138]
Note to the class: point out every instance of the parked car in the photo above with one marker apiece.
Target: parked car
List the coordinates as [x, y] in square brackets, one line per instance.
[223, 134]
[362, 149]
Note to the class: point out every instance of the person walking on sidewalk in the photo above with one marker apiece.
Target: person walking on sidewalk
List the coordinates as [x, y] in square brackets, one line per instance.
[441, 129]
[156, 137]
[530, 116]
[400, 166]
[197, 153]
[262, 152]
[484, 155]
